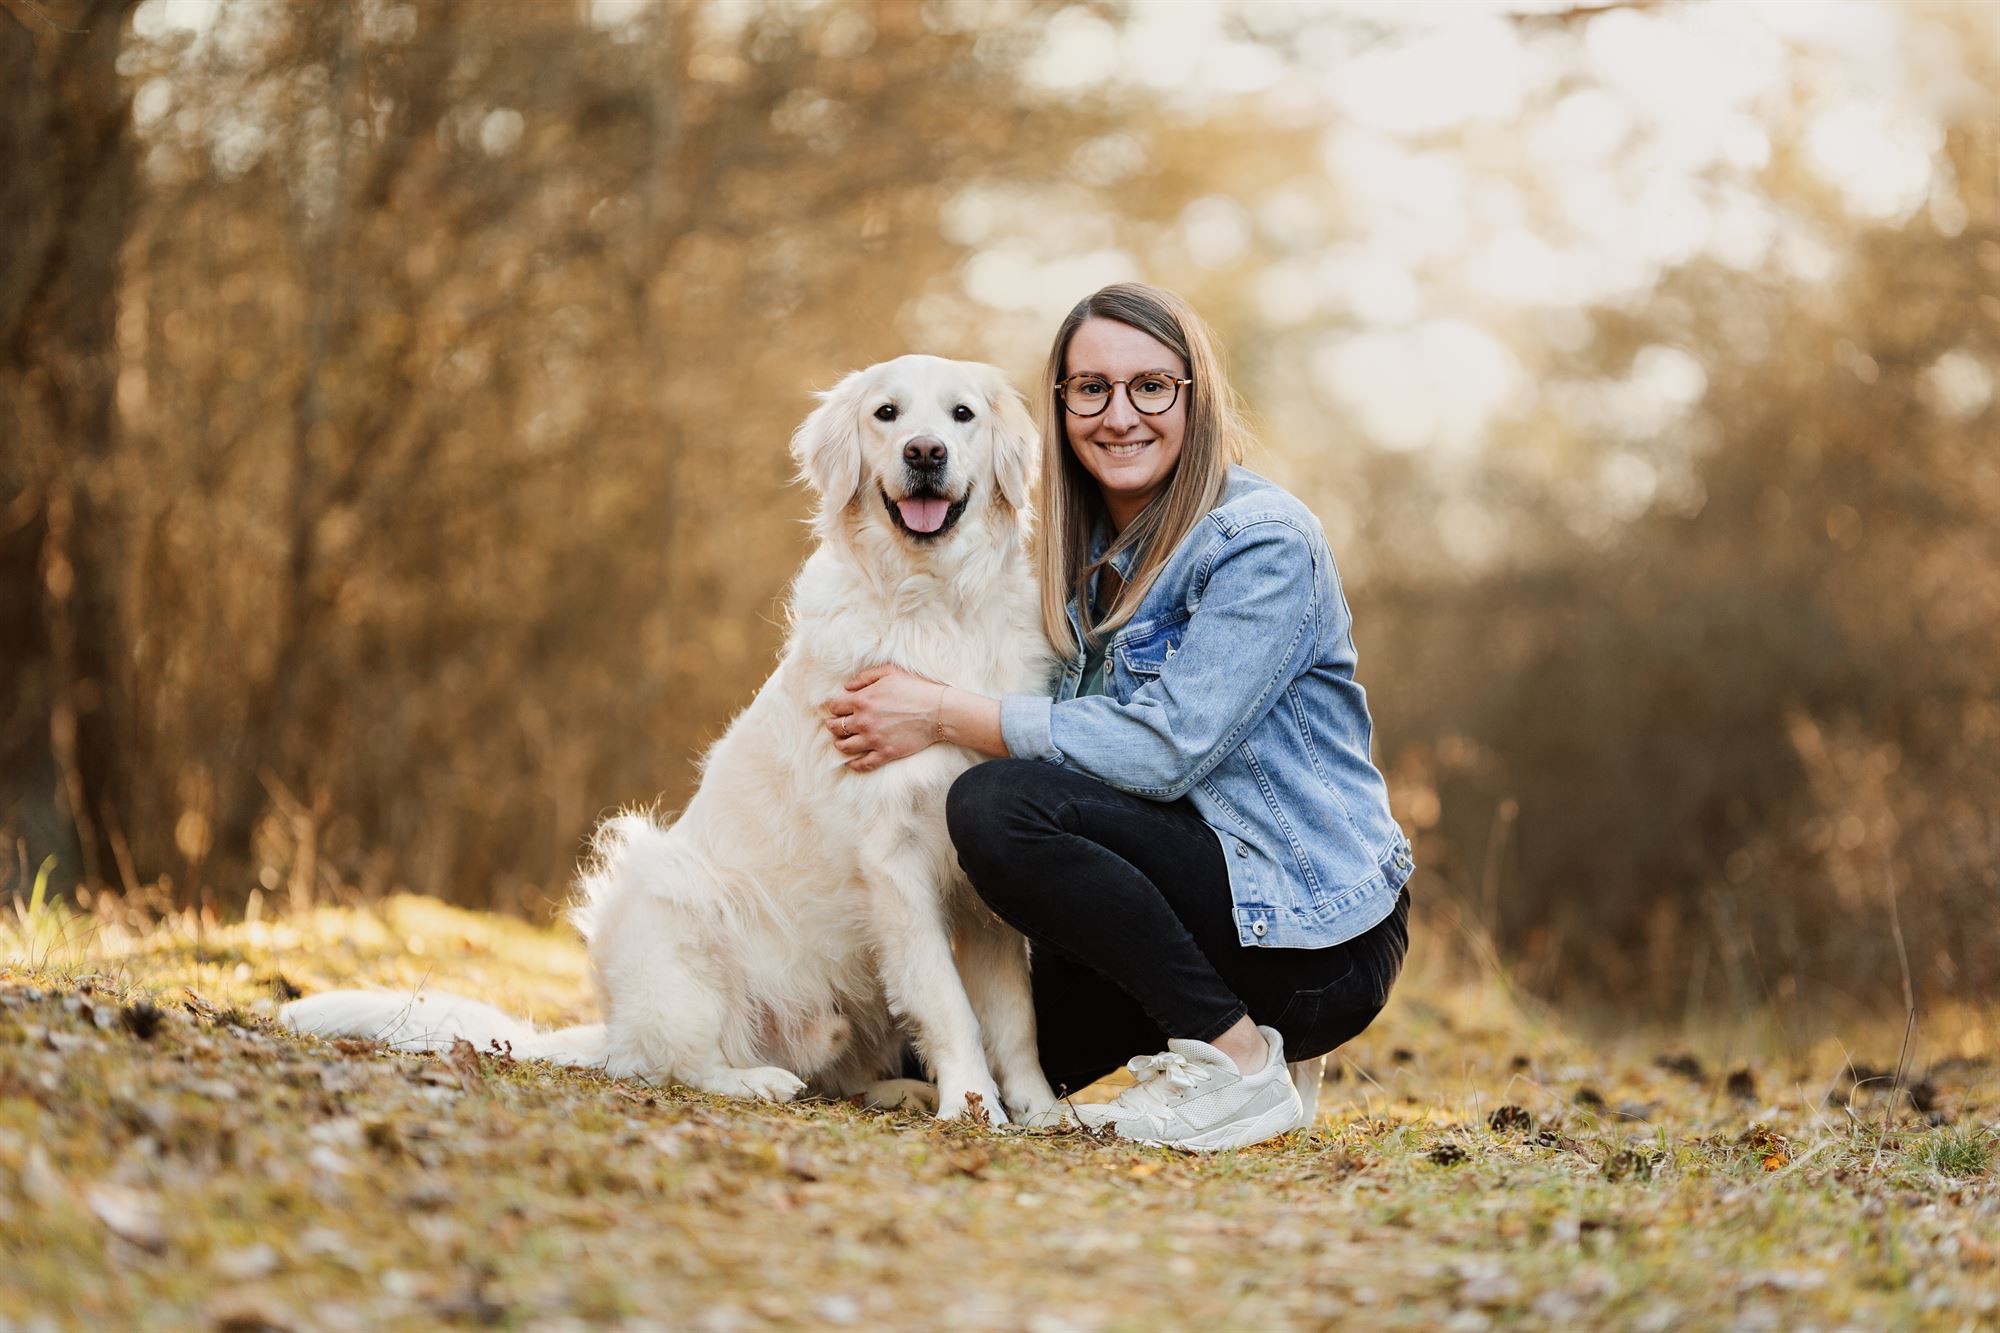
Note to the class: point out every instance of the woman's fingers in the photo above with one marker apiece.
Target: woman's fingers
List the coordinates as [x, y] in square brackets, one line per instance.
[845, 727]
[852, 745]
[840, 705]
[868, 677]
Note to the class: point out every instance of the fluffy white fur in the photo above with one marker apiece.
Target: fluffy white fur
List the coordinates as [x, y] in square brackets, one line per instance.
[785, 929]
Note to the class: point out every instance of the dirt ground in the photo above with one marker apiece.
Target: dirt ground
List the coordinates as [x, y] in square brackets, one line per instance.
[169, 1159]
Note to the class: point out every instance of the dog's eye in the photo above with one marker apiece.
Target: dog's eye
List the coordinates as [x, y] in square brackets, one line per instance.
[886, 412]
[961, 413]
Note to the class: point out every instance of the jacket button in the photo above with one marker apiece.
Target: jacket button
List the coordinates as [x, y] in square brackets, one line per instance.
[1258, 929]
[1241, 850]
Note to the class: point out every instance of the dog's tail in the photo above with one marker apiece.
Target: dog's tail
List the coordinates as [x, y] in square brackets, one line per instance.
[630, 850]
[433, 1020]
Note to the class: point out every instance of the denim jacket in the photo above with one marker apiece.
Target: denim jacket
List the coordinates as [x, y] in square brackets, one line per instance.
[1233, 686]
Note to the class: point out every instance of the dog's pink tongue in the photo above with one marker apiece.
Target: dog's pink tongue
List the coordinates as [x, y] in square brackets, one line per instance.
[923, 515]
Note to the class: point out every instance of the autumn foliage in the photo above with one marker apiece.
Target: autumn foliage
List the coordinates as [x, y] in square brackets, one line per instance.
[392, 470]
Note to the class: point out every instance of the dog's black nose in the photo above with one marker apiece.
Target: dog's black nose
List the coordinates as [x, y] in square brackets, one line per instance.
[926, 451]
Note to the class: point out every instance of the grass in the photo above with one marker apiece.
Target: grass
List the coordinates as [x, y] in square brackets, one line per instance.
[169, 1159]
[1957, 1154]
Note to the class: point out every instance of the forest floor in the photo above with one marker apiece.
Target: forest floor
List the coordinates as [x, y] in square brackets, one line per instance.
[168, 1158]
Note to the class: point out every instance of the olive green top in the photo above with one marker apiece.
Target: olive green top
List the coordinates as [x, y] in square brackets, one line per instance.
[1093, 673]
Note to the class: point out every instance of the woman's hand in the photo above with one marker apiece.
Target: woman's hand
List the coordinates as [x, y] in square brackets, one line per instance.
[882, 714]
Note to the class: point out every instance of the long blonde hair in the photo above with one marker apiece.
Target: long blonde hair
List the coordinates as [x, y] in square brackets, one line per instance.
[1070, 501]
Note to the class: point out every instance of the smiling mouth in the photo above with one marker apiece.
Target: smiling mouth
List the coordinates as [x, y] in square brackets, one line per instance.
[925, 518]
[1126, 450]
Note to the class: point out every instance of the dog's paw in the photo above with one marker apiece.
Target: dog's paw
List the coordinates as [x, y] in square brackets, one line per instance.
[765, 1083]
[1028, 1106]
[897, 1094]
[978, 1102]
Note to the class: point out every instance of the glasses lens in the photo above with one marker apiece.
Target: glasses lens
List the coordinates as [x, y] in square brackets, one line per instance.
[1085, 395]
[1153, 393]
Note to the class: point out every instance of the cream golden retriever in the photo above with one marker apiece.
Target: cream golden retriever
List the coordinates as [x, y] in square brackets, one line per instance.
[797, 918]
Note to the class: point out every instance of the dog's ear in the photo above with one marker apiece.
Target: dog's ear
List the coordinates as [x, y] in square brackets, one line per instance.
[827, 445]
[1017, 444]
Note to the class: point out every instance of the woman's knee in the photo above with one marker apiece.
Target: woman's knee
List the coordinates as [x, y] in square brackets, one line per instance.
[984, 811]
[985, 797]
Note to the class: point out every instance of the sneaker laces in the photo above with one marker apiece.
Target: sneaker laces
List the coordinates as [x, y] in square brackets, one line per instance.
[1158, 1078]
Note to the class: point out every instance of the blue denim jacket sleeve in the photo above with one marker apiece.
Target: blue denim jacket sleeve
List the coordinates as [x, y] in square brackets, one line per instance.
[1254, 628]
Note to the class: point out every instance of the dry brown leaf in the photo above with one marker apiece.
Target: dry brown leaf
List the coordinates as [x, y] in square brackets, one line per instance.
[463, 1060]
[971, 1162]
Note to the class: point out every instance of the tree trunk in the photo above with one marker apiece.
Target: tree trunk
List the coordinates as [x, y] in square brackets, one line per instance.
[65, 191]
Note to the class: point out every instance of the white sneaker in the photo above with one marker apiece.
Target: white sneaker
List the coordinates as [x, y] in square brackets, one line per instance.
[1191, 1096]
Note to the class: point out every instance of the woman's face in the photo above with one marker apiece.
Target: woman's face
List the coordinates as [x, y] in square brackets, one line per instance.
[1131, 455]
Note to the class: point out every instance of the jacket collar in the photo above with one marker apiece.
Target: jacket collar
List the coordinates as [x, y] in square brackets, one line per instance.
[1100, 539]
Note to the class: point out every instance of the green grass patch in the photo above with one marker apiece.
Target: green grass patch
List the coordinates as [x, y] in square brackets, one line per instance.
[1955, 1152]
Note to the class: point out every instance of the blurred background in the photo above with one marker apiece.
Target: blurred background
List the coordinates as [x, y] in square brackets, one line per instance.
[394, 397]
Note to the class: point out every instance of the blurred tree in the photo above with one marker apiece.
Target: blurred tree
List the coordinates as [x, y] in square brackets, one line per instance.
[1720, 741]
[65, 197]
[463, 343]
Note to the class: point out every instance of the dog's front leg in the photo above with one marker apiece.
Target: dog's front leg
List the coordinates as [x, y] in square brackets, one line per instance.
[923, 985]
[993, 961]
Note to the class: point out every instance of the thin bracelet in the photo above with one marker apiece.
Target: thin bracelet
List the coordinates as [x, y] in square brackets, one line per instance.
[937, 718]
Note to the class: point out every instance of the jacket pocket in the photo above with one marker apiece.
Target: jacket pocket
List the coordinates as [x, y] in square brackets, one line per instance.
[1146, 654]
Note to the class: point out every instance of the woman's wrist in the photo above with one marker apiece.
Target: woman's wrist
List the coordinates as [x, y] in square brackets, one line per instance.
[971, 720]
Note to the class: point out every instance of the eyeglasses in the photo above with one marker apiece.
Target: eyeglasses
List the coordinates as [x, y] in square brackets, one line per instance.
[1150, 392]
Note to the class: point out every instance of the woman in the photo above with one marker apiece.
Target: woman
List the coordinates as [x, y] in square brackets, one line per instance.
[1191, 831]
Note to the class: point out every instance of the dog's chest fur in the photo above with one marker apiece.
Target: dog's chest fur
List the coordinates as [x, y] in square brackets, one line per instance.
[804, 828]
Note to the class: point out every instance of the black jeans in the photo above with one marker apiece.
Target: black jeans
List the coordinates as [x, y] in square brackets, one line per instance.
[1126, 902]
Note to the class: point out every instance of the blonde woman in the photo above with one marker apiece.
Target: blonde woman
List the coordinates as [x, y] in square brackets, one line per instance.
[1191, 830]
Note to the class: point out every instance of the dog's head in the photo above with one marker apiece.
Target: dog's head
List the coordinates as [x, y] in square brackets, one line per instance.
[916, 444]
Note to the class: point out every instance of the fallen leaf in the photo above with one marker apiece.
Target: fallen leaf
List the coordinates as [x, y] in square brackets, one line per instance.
[199, 1006]
[971, 1162]
[129, 1215]
[1762, 1138]
[250, 1261]
[40, 1181]
[463, 1060]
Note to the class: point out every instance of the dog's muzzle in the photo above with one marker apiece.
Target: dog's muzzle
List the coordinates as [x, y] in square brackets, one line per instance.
[924, 514]
[926, 511]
